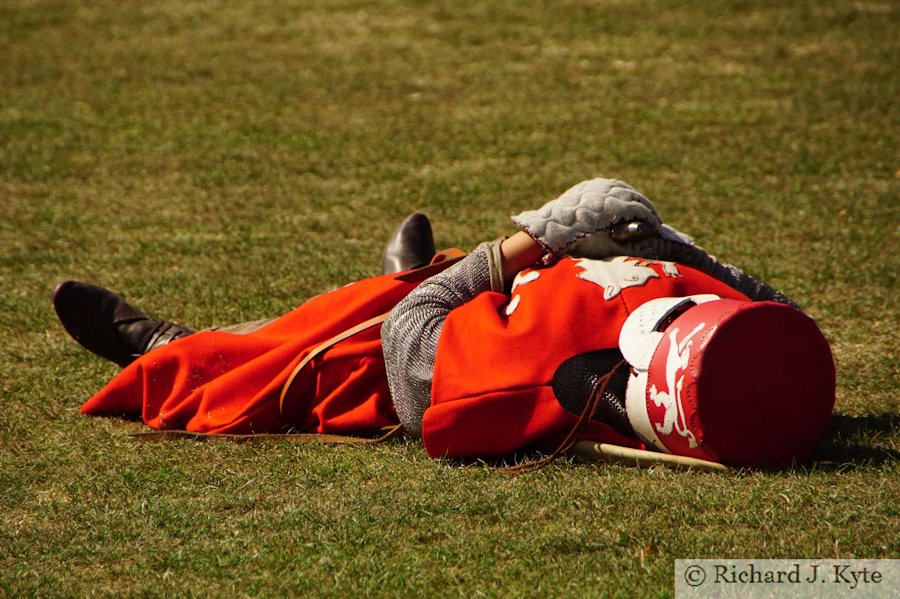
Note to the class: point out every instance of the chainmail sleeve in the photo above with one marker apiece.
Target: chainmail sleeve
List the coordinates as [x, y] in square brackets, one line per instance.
[411, 332]
[734, 277]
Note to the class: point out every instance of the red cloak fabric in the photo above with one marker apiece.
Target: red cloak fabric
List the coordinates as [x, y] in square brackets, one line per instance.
[219, 382]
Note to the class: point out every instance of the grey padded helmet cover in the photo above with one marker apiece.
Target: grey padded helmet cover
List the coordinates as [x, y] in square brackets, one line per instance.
[578, 223]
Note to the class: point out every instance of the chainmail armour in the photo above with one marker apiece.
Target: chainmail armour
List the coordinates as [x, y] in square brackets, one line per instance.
[410, 334]
[734, 277]
[575, 379]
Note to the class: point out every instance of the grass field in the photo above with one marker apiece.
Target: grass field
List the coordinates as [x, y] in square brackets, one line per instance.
[220, 161]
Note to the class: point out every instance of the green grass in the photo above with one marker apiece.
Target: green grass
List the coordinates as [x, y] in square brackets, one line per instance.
[221, 161]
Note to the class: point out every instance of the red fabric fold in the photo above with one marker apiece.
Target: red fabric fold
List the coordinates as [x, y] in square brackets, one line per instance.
[219, 382]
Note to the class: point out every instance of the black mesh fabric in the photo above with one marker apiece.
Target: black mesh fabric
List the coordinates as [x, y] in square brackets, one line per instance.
[576, 377]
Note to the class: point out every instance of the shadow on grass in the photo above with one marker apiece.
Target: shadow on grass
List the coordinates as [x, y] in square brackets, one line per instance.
[848, 442]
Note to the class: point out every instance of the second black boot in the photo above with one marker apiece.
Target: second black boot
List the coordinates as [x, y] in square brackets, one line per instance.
[105, 324]
[411, 245]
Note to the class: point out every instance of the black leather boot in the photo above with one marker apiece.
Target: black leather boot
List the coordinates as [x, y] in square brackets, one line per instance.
[411, 245]
[107, 325]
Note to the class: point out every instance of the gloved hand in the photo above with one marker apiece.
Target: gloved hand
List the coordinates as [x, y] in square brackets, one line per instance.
[596, 219]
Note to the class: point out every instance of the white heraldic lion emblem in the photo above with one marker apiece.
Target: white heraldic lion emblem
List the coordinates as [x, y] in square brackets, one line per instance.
[670, 398]
[621, 272]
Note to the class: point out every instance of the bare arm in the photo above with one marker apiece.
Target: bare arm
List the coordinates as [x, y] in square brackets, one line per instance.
[518, 252]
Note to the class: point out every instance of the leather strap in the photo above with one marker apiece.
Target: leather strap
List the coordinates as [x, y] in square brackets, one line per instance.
[441, 261]
[324, 346]
[385, 433]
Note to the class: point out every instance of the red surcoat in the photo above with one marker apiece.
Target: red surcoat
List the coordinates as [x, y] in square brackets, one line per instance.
[492, 383]
[497, 355]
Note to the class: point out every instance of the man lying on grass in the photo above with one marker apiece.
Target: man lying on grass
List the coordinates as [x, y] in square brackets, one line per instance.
[595, 321]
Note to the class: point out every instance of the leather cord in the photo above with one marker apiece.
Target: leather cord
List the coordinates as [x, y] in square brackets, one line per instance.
[587, 413]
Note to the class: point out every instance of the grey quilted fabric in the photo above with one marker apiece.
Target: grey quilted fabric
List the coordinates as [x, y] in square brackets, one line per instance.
[589, 208]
